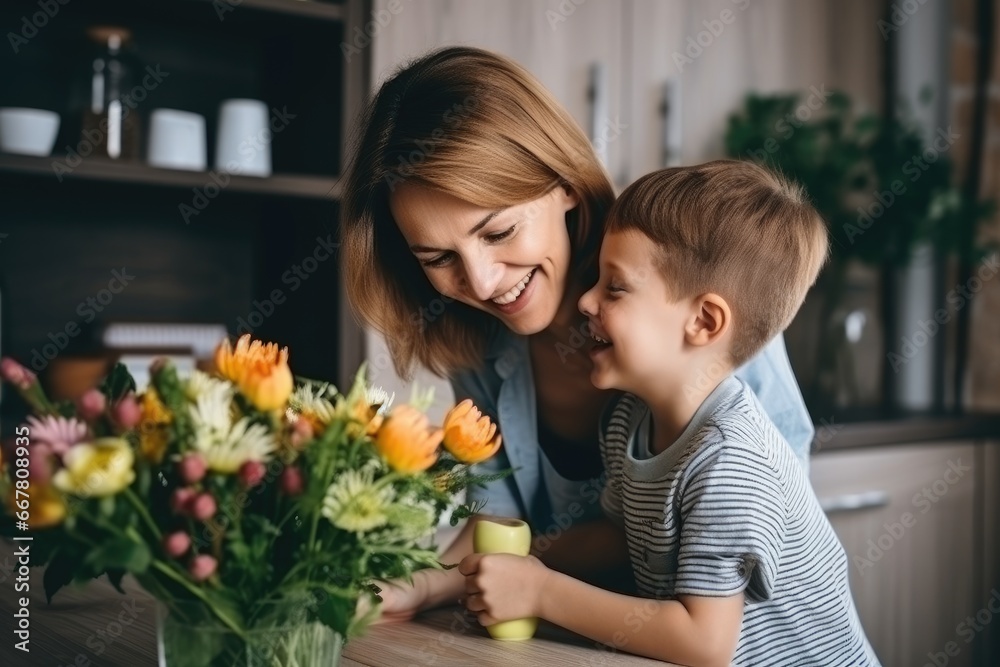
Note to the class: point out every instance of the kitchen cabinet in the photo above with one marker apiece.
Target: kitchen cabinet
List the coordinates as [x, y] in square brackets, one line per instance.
[205, 246]
[906, 516]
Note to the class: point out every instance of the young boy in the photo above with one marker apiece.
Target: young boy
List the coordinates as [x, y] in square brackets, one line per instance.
[699, 268]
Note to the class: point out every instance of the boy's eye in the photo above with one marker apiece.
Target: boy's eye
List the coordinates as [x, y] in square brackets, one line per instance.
[500, 236]
[439, 261]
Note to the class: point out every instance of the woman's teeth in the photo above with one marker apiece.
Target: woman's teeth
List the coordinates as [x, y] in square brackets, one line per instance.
[515, 291]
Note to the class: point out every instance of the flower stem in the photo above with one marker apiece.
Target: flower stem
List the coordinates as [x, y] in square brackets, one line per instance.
[197, 592]
[144, 513]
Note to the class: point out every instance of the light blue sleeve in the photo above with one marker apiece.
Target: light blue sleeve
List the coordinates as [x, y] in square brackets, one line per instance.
[501, 497]
[769, 374]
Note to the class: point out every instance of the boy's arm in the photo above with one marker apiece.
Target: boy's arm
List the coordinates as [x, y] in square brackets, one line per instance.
[692, 630]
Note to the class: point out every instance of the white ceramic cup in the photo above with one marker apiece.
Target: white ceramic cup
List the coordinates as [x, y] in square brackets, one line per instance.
[243, 144]
[177, 140]
[28, 131]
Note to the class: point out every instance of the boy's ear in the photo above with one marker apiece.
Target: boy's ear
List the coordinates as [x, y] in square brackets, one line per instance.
[710, 320]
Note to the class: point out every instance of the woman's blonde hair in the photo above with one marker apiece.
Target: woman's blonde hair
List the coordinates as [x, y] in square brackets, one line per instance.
[477, 126]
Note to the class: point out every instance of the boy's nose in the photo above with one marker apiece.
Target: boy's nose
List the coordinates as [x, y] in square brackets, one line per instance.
[586, 303]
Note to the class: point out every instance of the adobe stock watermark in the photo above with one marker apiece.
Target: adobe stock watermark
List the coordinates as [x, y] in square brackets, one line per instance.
[31, 25]
[924, 500]
[92, 138]
[248, 149]
[294, 277]
[362, 36]
[914, 168]
[563, 11]
[88, 310]
[900, 14]
[792, 121]
[704, 39]
[453, 118]
[957, 298]
[967, 629]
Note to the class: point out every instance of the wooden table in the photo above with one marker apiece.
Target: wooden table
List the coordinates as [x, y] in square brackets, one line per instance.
[95, 626]
[451, 638]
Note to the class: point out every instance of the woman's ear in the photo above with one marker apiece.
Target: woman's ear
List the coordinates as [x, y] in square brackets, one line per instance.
[569, 198]
[710, 320]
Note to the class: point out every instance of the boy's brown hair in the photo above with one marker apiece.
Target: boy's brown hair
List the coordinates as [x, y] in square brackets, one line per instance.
[733, 228]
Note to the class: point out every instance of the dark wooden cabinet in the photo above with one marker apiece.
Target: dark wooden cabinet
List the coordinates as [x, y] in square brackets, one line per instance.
[246, 252]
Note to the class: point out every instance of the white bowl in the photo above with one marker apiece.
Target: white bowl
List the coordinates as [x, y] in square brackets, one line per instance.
[28, 131]
[177, 140]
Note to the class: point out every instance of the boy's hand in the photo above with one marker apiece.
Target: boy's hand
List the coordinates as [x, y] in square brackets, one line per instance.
[502, 587]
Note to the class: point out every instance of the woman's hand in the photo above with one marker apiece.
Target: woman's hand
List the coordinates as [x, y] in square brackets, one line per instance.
[401, 601]
[502, 587]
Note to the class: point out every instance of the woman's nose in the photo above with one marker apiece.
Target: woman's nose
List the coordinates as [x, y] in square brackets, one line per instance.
[483, 278]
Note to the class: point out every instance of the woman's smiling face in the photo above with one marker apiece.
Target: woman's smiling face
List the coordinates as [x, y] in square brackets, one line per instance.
[512, 262]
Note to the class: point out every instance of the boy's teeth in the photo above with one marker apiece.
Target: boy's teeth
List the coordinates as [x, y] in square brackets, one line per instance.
[515, 291]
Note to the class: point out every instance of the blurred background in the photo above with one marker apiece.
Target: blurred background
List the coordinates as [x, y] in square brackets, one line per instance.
[169, 174]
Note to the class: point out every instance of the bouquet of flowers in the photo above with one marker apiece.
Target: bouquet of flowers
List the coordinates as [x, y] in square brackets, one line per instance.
[256, 506]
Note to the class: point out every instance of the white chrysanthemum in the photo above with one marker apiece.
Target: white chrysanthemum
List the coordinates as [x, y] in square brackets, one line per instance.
[227, 446]
[314, 399]
[410, 520]
[201, 384]
[380, 397]
[356, 504]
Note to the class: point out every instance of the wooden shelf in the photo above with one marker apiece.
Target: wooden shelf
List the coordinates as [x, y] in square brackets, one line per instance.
[109, 171]
[324, 11]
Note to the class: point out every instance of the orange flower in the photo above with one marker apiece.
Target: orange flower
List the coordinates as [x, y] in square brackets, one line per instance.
[48, 508]
[468, 435]
[259, 370]
[154, 433]
[406, 441]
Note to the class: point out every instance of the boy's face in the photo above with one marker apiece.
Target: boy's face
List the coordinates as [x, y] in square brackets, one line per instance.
[639, 331]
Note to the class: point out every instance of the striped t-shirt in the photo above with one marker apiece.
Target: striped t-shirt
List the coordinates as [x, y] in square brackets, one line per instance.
[727, 508]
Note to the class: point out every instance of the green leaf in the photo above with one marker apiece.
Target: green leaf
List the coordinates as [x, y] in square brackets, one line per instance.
[115, 576]
[336, 612]
[118, 383]
[59, 572]
[120, 553]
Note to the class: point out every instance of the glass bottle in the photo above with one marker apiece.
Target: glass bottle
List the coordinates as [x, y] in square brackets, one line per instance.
[110, 122]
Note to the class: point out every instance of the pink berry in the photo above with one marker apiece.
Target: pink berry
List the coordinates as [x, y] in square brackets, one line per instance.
[202, 567]
[127, 412]
[180, 501]
[252, 472]
[203, 507]
[302, 432]
[292, 482]
[16, 374]
[91, 404]
[192, 468]
[176, 544]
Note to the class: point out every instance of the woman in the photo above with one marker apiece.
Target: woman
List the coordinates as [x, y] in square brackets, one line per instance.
[473, 216]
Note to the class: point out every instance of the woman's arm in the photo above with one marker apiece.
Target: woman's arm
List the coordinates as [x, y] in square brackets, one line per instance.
[691, 630]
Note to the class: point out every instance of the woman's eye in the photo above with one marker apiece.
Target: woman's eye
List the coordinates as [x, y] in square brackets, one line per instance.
[493, 238]
[615, 288]
[439, 261]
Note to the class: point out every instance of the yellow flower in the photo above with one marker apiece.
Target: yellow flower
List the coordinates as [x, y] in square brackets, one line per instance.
[406, 442]
[468, 435]
[47, 506]
[259, 370]
[153, 431]
[96, 469]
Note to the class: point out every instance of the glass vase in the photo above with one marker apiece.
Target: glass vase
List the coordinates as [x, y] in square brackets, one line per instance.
[279, 634]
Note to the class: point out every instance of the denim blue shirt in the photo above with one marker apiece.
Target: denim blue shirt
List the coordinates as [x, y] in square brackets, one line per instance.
[503, 387]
